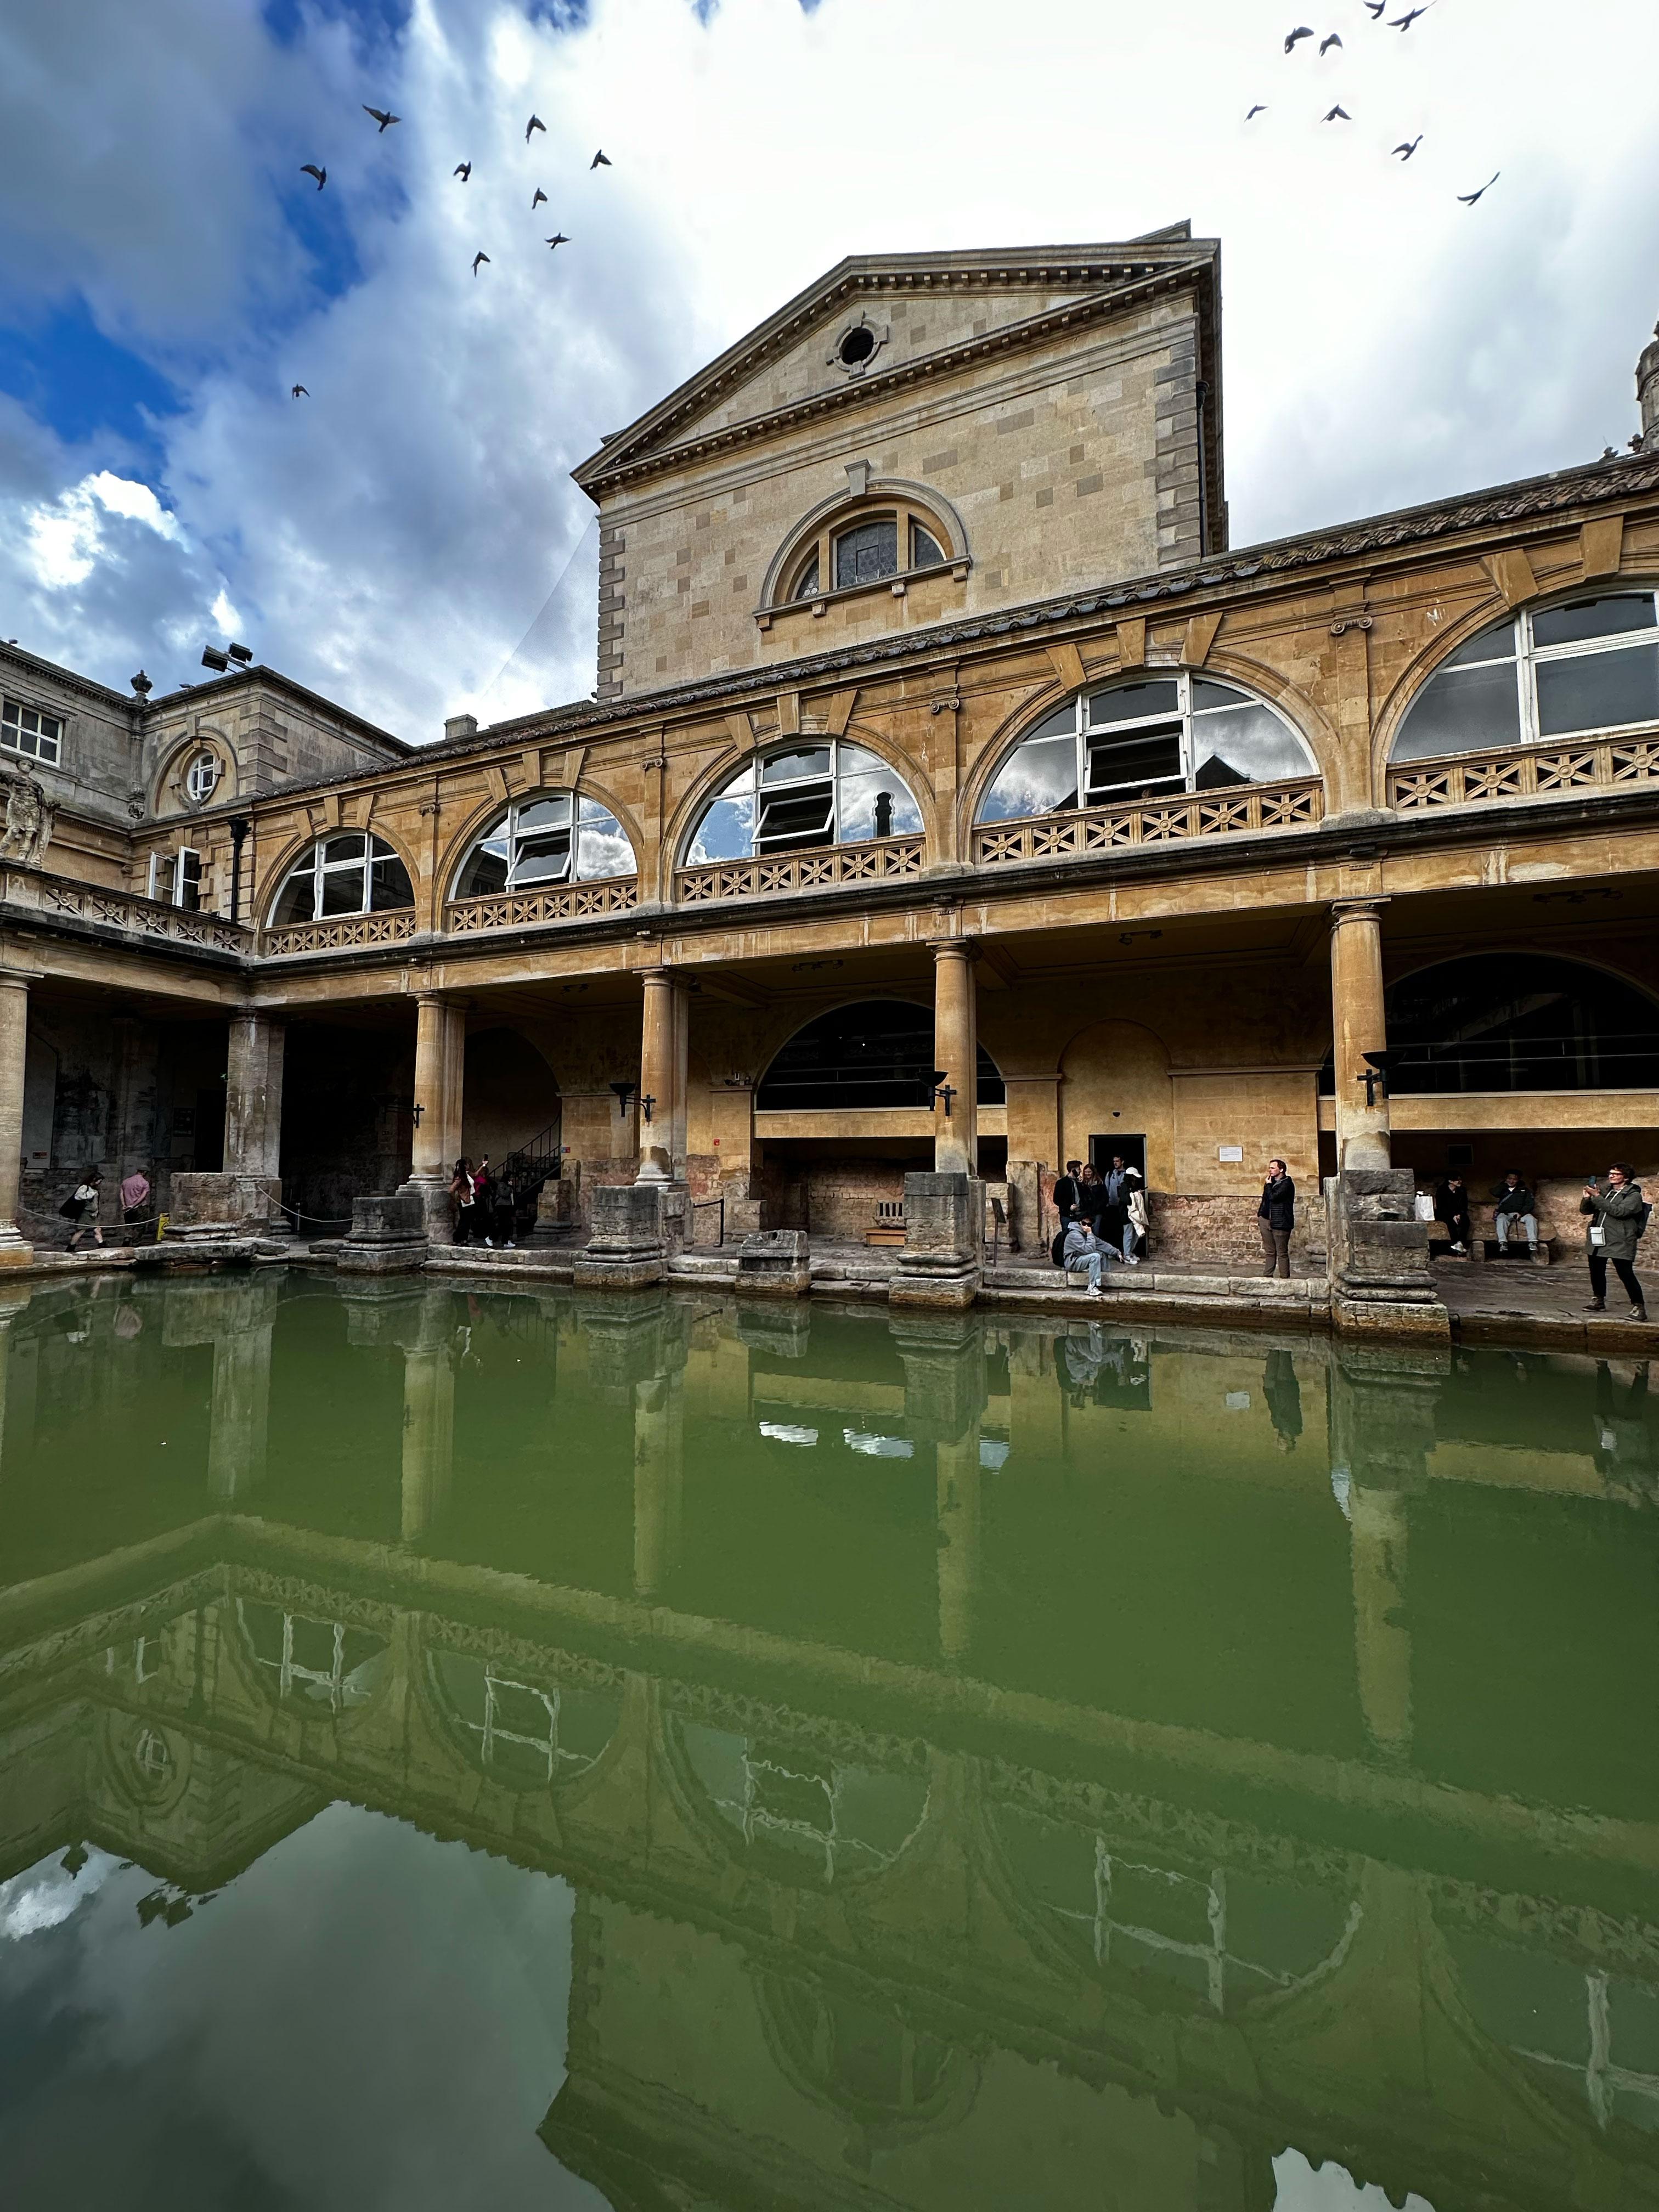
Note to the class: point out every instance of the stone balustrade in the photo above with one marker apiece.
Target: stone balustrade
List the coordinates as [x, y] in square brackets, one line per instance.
[822, 869]
[146, 920]
[345, 932]
[553, 902]
[1078, 831]
[1524, 772]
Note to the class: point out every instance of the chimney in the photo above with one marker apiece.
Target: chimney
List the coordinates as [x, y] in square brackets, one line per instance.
[1647, 391]
[461, 725]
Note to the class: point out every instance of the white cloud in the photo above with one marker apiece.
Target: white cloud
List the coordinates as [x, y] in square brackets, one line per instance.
[46, 1895]
[394, 539]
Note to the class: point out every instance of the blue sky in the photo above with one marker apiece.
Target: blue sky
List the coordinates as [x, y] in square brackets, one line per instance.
[395, 539]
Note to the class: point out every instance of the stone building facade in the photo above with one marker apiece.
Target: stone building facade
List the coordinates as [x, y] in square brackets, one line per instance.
[955, 800]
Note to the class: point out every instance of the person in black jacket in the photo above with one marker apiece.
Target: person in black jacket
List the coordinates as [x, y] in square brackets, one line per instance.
[1517, 1208]
[1451, 1206]
[1275, 1217]
[1065, 1194]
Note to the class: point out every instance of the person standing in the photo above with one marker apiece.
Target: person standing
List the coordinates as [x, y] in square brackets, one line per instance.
[1618, 1215]
[1115, 1189]
[1516, 1208]
[135, 1199]
[1451, 1206]
[1276, 1217]
[504, 1206]
[86, 1194]
[483, 1194]
[1065, 1194]
[465, 1193]
[1137, 1225]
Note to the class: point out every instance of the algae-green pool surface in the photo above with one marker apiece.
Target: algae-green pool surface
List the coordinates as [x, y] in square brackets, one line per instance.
[504, 1750]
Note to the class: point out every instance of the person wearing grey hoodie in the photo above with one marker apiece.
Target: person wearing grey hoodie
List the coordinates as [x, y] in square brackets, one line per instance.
[1618, 1215]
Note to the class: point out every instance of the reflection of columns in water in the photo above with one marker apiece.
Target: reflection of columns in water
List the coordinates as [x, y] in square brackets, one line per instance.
[429, 1440]
[11, 1305]
[957, 1480]
[944, 1358]
[241, 1411]
[659, 1478]
[1383, 1641]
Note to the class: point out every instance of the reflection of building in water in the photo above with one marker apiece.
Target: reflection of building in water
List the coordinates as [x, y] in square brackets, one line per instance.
[873, 1908]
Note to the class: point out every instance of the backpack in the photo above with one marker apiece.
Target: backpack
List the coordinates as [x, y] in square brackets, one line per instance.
[1057, 1249]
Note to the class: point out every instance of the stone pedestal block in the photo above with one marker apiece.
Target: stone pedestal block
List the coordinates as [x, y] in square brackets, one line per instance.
[431, 1193]
[559, 1207]
[628, 1246]
[773, 1263]
[940, 1264]
[249, 1204]
[1381, 1282]
[387, 1238]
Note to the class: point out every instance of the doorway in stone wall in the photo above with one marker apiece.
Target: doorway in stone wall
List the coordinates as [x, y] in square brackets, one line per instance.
[1133, 1150]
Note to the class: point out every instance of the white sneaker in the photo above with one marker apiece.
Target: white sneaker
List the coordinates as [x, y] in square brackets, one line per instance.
[1130, 1259]
[510, 1246]
[489, 1243]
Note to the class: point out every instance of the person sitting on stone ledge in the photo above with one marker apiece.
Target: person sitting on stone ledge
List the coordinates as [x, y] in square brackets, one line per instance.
[1451, 1206]
[1083, 1249]
[1516, 1208]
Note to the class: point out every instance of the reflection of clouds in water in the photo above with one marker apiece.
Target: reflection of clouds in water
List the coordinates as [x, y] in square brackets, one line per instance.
[1330, 2188]
[407, 1998]
[787, 1432]
[46, 1895]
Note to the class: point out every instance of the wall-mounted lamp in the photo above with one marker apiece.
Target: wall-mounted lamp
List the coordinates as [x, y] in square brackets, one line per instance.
[416, 1112]
[944, 1090]
[1374, 1071]
[624, 1092]
[646, 1104]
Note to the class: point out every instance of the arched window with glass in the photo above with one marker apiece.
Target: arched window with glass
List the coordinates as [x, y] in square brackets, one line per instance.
[537, 844]
[821, 792]
[1589, 668]
[1156, 736]
[853, 545]
[351, 872]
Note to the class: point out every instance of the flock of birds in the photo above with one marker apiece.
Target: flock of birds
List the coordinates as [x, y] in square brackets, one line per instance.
[384, 120]
[1377, 10]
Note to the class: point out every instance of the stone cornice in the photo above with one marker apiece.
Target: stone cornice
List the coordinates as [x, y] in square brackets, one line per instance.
[610, 470]
[66, 679]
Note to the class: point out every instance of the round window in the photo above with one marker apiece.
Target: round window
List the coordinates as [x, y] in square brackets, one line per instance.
[202, 777]
[856, 348]
[152, 1760]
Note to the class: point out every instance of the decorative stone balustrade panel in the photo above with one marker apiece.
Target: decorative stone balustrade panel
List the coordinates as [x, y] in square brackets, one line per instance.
[1153, 821]
[346, 932]
[152, 919]
[822, 870]
[559, 902]
[1531, 771]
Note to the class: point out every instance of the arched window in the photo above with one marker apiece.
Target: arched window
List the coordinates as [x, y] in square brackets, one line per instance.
[856, 543]
[878, 1052]
[523, 1735]
[349, 873]
[1148, 737]
[1589, 665]
[557, 837]
[202, 777]
[1493, 1022]
[820, 792]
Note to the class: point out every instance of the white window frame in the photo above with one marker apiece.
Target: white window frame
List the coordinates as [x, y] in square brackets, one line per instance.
[208, 759]
[1529, 657]
[12, 733]
[803, 783]
[1122, 794]
[187, 877]
[506, 826]
[319, 868]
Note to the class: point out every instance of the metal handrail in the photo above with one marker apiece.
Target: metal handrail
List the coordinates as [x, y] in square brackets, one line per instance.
[700, 1204]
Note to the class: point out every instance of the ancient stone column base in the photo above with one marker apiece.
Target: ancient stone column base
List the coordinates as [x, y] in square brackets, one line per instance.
[388, 1236]
[775, 1263]
[627, 1250]
[944, 1230]
[232, 1205]
[16, 1250]
[437, 1216]
[936, 1290]
[1424, 1320]
[1380, 1282]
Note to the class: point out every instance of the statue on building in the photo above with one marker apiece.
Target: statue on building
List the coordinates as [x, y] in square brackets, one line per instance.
[29, 816]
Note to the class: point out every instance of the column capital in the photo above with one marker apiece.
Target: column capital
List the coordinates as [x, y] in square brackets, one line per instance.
[1360, 905]
[16, 979]
[947, 948]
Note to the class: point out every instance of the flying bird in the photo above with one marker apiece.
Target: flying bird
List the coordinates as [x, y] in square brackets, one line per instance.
[1261, 109]
[1301, 31]
[477, 259]
[1469, 198]
[539, 200]
[1337, 115]
[558, 238]
[600, 161]
[300, 392]
[1375, 8]
[380, 115]
[1405, 23]
[310, 169]
[534, 124]
[1407, 147]
[463, 171]
[1325, 44]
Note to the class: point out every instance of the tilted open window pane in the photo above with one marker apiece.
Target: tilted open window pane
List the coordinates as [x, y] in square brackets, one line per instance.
[1598, 690]
[544, 859]
[801, 816]
[864, 555]
[1040, 778]
[1463, 710]
[1148, 761]
[1611, 614]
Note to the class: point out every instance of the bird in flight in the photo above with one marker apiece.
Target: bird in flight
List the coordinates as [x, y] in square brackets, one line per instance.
[1404, 22]
[380, 115]
[477, 259]
[310, 169]
[1407, 147]
[540, 200]
[463, 171]
[1301, 31]
[1469, 198]
[1261, 109]
[1325, 44]
[1337, 115]
[558, 238]
[1377, 7]
[600, 161]
[300, 392]
[534, 124]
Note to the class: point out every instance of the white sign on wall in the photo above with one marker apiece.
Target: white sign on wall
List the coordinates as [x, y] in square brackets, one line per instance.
[1231, 1152]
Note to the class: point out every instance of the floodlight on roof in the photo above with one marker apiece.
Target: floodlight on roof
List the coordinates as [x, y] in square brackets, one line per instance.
[212, 657]
[243, 653]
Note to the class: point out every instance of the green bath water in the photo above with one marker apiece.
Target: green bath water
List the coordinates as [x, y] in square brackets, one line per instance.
[498, 1751]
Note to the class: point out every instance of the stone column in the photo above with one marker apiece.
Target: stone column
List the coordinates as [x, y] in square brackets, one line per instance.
[440, 1055]
[132, 1134]
[1359, 1026]
[15, 1250]
[662, 1075]
[956, 1051]
[253, 1117]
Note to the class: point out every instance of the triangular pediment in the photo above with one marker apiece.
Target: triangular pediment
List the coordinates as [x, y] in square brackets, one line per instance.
[919, 315]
